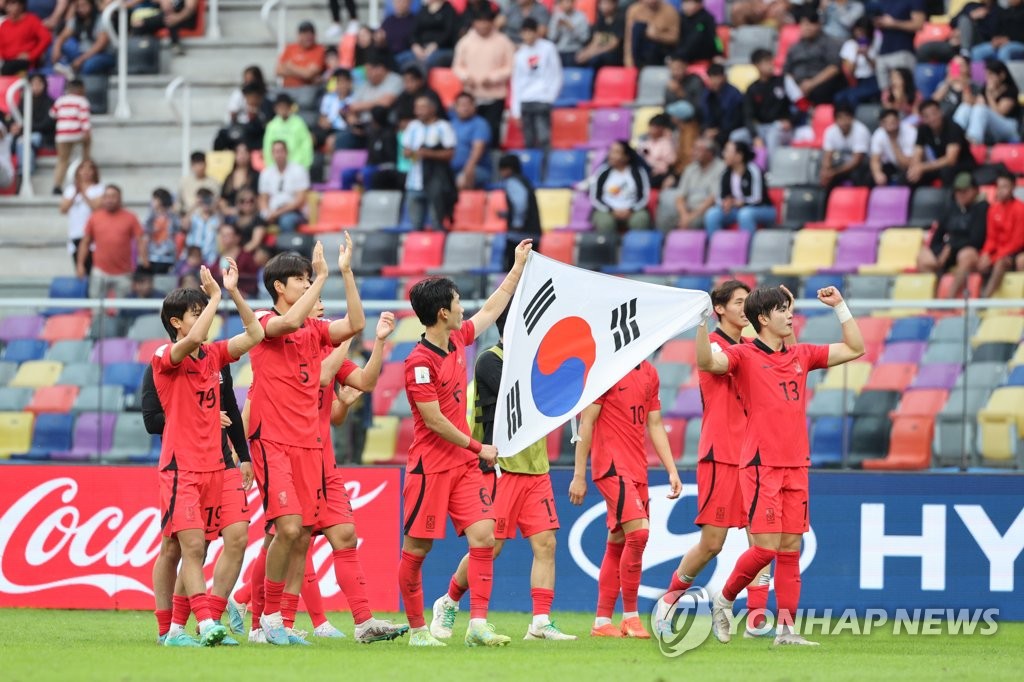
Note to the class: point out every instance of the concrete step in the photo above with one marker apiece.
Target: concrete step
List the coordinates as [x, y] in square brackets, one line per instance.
[148, 103]
[136, 180]
[243, 19]
[36, 263]
[224, 59]
[38, 221]
[134, 143]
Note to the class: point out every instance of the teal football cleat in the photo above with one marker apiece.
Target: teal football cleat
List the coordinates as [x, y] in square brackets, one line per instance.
[212, 635]
[236, 616]
[179, 639]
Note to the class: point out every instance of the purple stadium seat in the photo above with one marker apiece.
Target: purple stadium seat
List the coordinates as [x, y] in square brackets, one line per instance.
[728, 251]
[978, 73]
[55, 85]
[887, 207]
[342, 160]
[94, 435]
[683, 248]
[903, 351]
[241, 393]
[609, 125]
[688, 404]
[717, 9]
[854, 248]
[20, 327]
[579, 214]
[936, 376]
[107, 351]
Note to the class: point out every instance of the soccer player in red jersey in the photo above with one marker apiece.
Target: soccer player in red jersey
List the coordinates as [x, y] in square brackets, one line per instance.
[443, 476]
[286, 445]
[614, 429]
[771, 379]
[187, 377]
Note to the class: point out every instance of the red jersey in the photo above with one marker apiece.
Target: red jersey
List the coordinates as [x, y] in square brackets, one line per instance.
[619, 443]
[773, 387]
[1004, 232]
[725, 420]
[433, 373]
[189, 393]
[325, 400]
[283, 399]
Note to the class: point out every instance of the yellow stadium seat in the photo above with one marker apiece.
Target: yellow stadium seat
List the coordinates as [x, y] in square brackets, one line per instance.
[1012, 286]
[1018, 357]
[1000, 424]
[999, 329]
[313, 207]
[954, 7]
[380, 440]
[407, 329]
[215, 328]
[812, 250]
[852, 375]
[642, 119]
[914, 287]
[36, 373]
[244, 377]
[219, 164]
[555, 206]
[15, 433]
[897, 252]
[742, 75]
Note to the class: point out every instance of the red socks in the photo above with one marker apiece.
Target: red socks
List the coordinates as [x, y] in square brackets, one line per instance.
[217, 605]
[349, 574]
[179, 610]
[747, 566]
[481, 575]
[410, 584]
[455, 590]
[163, 621]
[200, 606]
[678, 585]
[542, 599]
[787, 585]
[289, 605]
[631, 566]
[608, 580]
[273, 596]
[259, 587]
[311, 594]
[757, 601]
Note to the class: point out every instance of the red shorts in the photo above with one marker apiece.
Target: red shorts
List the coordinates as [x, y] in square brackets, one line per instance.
[463, 493]
[626, 500]
[719, 498]
[776, 498]
[290, 479]
[338, 507]
[526, 502]
[190, 500]
[234, 502]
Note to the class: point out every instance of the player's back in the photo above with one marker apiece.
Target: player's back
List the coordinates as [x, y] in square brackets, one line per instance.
[725, 419]
[618, 445]
[325, 401]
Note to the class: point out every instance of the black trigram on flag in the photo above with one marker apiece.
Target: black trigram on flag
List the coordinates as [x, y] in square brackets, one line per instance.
[624, 325]
[513, 410]
[539, 305]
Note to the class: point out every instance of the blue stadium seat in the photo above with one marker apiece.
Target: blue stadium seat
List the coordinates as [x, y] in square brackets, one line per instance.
[531, 159]
[577, 86]
[67, 287]
[814, 282]
[378, 288]
[1016, 377]
[52, 433]
[127, 375]
[497, 263]
[697, 282]
[639, 248]
[232, 327]
[928, 77]
[22, 350]
[827, 442]
[401, 351]
[566, 167]
[911, 329]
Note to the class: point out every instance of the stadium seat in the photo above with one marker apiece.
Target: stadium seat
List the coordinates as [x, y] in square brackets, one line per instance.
[577, 85]
[828, 402]
[903, 351]
[404, 441]
[789, 34]
[7, 371]
[898, 248]
[910, 445]
[373, 251]
[554, 206]
[6, 82]
[613, 86]
[148, 348]
[339, 210]
[691, 444]
[726, 253]
[802, 205]
[688, 404]
[846, 206]
[58, 399]
[400, 406]
[497, 206]
[999, 329]
[609, 125]
[421, 251]
[1010, 155]
[1000, 426]
[407, 329]
[14, 398]
[579, 213]
[219, 164]
[469, 211]
[868, 286]
[378, 288]
[341, 161]
[946, 286]
[380, 209]
[51, 433]
[852, 376]
[682, 247]
[127, 375]
[743, 40]
[69, 287]
[560, 246]
[80, 374]
[20, 327]
[768, 248]
[955, 427]
[676, 430]
[666, 216]
[887, 207]
[111, 350]
[641, 122]
[932, 32]
[569, 128]
[812, 250]
[935, 376]
[446, 84]
[23, 350]
[300, 243]
[911, 329]
[100, 399]
[650, 90]
[894, 376]
[928, 77]
[93, 435]
[532, 161]
[952, 329]
[130, 439]
[854, 248]
[381, 440]
[566, 167]
[15, 433]
[1016, 377]
[679, 351]
[741, 76]
[146, 327]
[986, 374]
[922, 403]
[36, 373]
[946, 353]
[793, 166]
[1018, 357]
[829, 439]
[1012, 286]
[463, 252]
[918, 286]
[74, 326]
[640, 249]
[927, 206]
[594, 250]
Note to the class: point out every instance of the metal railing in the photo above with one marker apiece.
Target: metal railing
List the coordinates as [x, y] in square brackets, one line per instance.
[119, 37]
[24, 119]
[278, 32]
[213, 19]
[183, 116]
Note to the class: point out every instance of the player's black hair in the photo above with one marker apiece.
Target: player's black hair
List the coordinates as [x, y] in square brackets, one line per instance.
[431, 296]
[179, 302]
[723, 293]
[284, 266]
[500, 322]
[764, 301]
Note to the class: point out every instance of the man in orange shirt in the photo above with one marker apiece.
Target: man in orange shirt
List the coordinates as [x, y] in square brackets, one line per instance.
[1004, 235]
[302, 63]
[109, 233]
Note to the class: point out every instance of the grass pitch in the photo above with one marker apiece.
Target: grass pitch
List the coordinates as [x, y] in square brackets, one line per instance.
[41, 645]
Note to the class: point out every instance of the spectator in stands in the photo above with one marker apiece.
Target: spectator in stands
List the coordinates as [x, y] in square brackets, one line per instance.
[248, 119]
[845, 146]
[414, 86]
[301, 62]
[162, 228]
[651, 33]
[242, 176]
[698, 36]
[247, 220]
[901, 93]
[79, 200]
[44, 127]
[283, 188]
[288, 127]
[236, 102]
[188, 190]
[568, 30]
[475, 8]
[472, 144]
[898, 21]
[151, 16]
[1006, 42]
[1003, 250]
[83, 46]
[434, 34]
[812, 68]
[607, 37]
[398, 28]
[941, 151]
[52, 12]
[721, 106]
[188, 266]
[380, 89]
[658, 150]
[767, 115]
[892, 149]
[429, 142]
[142, 289]
[620, 191]
[370, 44]
[483, 62]
[959, 237]
[229, 245]
[858, 62]
[381, 169]
[683, 91]
[23, 40]
[334, 33]
[536, 82]
[73, 128]
[993, 114]
[204, 222]
[331, 131]
[523, 213]
[109, 233]
[742, 197]
[750, 12]
[950, 93]
[838, 17]
[699, 185]
[518, 11]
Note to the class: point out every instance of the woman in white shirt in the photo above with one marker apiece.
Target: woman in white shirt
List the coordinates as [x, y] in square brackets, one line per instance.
[858, 55]
[78, 202]
[620, 190]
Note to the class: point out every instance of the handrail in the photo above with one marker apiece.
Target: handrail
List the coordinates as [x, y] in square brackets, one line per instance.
[278, 32]
[213, 19]
[119, 37]
[374, 16]
[24, 119]
[183, 116]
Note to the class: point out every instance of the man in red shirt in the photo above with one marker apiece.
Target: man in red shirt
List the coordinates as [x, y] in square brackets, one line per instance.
[23, 39]
[284, 431]
[1004, 236]
[302, 62]
[615, 429]
[108, 236]
[186, 375]
[771, 379]
[443, 476]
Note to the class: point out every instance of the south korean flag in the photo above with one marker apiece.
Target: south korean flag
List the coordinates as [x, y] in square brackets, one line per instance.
[571, 334]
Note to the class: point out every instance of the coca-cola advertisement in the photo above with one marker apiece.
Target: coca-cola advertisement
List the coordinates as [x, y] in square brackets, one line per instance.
[86, 537]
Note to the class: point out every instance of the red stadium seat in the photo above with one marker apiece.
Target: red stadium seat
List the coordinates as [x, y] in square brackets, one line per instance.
[404, 441]
[613, 86]
[197, 31]
[891, 377]
[910, 445]
[980, 153]
[446, 84]
[421, 251]
[932, 33]
[846, 206]
[56, 399]
[589, 8]
[777, 195]
[494, 219]
[973, 286]
[73, 327]
[676, 429]
[679, 350]
[788, 35]
[470, 210]
[347, 51]
[569, 128]
[1010, 155]
[148, 348]
[339, 210]
[560, 246]
[5, 84]
[823, 117]
[723, 33]
[514, 138]
[926, 402]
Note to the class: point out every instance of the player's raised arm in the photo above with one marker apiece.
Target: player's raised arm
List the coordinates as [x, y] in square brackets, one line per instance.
[659, 437]
[189, 343]
[365, 378]
[578, 487]
[852, 346]
[708, 361]
[499, 300]
[355, 319]
[241, 344]
[294, 318]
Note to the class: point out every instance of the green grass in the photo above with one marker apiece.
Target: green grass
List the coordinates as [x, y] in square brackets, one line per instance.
[88, 645]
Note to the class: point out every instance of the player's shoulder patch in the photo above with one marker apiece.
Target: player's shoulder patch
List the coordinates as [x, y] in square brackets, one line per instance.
[421, 375]
[159, 353]
[715, 348]
[260, 314]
